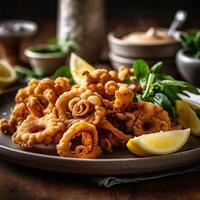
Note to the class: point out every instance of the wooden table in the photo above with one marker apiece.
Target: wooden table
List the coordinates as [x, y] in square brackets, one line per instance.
[18, 182]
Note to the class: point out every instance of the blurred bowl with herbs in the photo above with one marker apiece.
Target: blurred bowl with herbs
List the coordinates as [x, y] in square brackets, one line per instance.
[188, 57]
[153, 45]
[45, 59]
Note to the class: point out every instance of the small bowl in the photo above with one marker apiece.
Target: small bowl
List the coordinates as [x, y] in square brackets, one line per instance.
[188, 67]
[11, 34]
[122, 48]
[45, 63]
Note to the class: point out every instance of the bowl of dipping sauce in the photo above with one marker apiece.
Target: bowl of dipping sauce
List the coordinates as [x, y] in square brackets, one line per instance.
[152, 43]
[45, 59]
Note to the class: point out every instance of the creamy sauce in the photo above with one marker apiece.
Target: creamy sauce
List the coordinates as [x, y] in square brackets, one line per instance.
[151, 37]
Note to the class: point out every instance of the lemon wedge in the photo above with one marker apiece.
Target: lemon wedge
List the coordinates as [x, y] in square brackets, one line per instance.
[7, 74]
[187, 116]
[77, 67]
[160, 143]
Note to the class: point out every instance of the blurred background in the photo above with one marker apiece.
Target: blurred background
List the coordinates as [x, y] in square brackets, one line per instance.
[119, 15]
[163, 11]
[127, 13]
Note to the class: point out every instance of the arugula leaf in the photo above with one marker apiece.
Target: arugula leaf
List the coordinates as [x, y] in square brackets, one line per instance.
[64, 72]
[163, 76]
[148, 89]
[163, 101]
[157, 67]
[141, 71]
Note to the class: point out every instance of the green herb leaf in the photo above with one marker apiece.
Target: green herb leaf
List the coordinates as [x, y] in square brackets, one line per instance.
[141, 71]
[191, 43]
[163, 101]
[164, 77]
[64, 72]
[148, 89]
[157, 68]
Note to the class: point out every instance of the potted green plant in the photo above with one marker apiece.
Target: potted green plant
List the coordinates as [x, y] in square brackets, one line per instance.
[188, 58]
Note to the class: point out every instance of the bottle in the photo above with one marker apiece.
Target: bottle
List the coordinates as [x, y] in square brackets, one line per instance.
[82, 21]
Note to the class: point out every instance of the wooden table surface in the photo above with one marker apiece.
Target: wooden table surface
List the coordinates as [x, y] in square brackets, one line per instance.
[18, 182]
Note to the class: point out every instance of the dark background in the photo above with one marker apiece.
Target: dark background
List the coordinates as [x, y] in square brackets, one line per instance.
[46, 9]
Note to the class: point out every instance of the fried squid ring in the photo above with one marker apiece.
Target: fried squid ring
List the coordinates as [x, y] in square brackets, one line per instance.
[149, 118]
[105, 124]
[23, 94]
[34, 130]
[74, 104]
[80, 141]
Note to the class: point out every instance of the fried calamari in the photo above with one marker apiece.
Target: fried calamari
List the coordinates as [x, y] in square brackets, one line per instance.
[82, 121]
[148, 118]
[80, 141]
[34, 130]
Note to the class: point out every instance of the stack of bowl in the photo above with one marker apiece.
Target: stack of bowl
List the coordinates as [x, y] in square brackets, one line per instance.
[152, 45]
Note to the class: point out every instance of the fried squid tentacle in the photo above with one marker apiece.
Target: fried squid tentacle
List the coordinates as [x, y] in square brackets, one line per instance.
[23, 94]
[18, 115]
[123, 98]
[34, 130]
[105, 124]
[35, 107]
[80, 140]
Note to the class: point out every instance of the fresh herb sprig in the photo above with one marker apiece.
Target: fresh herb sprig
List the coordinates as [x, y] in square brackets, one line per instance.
[66, 45]
[159, 88]
[191, 43]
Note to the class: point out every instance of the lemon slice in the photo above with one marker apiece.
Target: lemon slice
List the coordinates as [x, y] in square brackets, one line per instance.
[160, 143]
[77, 67]
[7, 74]
[187, 116]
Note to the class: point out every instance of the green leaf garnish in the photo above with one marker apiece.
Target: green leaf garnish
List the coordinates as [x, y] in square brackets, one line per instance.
[159, 88]
[64, 72]
[191, 43]
[157, 68]
[163, 101]
[141, 71]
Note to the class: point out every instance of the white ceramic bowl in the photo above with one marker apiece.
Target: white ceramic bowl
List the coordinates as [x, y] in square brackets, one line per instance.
[121, 48]
[45, 63]
[188, 67]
